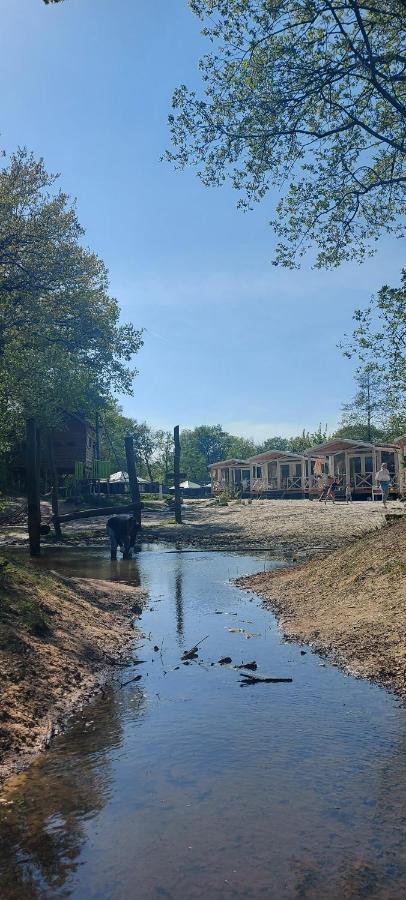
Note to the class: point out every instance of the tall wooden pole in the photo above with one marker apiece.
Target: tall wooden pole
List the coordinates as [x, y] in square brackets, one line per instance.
[176, 472]
[33, 495]
[97, 441]
[54, 488]
[132, 477]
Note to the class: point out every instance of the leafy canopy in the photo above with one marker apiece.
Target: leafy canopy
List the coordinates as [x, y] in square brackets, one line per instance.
[61, 343]
[310, 95]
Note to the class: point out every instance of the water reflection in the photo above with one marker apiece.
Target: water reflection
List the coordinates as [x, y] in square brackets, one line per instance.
[43, 830]
[179, 598]
[195, 788]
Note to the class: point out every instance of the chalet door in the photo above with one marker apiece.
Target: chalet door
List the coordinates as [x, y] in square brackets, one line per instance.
[389, 458]
[284, 475]
[272, 474]
[355, 468]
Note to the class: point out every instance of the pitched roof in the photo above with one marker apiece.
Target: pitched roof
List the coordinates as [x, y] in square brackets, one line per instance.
[340, 444]
[228, 462]
[275, 454]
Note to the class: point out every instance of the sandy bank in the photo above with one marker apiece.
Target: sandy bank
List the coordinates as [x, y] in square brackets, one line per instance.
[60, 638]
[283, 526]
[350, 605]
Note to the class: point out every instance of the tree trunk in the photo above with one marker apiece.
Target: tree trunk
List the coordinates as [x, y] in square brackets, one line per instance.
[132, 477]
[148, 468]
[54, 489]
[33, 494]
[176, 472]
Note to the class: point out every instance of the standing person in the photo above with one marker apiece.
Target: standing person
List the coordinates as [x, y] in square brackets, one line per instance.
[348, 491]
[122, 531]
[334, 487]
[383, 479]
[326, 482]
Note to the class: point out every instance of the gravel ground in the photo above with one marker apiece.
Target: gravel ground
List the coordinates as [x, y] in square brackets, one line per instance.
[283, 526]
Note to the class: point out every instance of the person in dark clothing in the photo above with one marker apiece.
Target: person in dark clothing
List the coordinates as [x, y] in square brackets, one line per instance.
[122, 531]
[333, 490]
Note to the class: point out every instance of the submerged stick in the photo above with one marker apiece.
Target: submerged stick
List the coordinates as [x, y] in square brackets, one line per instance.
[192, 653]
[263, 679]
[136, 678]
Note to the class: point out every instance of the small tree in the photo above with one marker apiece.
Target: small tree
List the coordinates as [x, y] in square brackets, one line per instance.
[379, 340]
[366, 406]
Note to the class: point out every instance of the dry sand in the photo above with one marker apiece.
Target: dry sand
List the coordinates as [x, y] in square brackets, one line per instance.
[284, 526]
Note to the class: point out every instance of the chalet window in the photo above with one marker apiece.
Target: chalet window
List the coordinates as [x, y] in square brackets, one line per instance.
[369, 464]
[298, 470]
[257, 471]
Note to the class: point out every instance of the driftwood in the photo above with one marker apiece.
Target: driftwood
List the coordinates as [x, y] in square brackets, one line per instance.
[263, 679]
[250, 665]
[192, 653]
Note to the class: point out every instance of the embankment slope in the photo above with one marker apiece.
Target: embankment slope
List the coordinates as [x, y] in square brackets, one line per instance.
[59, 638]
[350, 604]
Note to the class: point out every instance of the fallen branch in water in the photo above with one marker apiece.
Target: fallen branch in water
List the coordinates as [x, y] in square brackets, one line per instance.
[136, 678]
[192, 653]
[262, 679]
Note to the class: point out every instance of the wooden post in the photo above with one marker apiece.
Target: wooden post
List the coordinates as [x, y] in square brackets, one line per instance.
[33, 495]
[54, 488]
[132, 477]
[176, 472]
[303, 475]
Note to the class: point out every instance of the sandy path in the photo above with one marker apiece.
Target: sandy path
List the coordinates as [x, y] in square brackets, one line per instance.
[282, 525]
[285, 526]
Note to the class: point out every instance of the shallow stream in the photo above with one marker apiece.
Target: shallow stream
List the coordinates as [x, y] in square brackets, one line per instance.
[186, 784]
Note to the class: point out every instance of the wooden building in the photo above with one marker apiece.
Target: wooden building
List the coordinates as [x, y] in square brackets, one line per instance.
[74, 442]
[229, 474]
[355, 462]
[277, 473]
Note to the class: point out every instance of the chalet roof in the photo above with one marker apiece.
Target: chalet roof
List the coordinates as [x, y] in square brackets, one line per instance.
[341, 444]
[275, 454]
[401, 440]
[228, 462]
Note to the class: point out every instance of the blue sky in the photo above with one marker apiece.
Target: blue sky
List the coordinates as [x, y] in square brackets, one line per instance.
[87, 85]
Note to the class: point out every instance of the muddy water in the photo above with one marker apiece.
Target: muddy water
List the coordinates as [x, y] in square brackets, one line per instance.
[187, 785]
